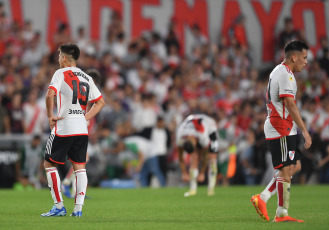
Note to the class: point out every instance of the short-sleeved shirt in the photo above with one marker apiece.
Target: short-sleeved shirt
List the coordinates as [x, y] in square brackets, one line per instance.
[279, 123]
[196, 125]
[137, 144]
[74, 89]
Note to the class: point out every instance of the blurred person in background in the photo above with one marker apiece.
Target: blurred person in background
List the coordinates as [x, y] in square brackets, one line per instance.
[31, 159]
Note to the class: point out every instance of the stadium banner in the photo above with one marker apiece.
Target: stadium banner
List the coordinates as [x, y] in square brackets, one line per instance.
[264, 18]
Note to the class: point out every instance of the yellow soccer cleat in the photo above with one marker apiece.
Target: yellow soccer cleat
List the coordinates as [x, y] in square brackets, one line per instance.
[190, 193]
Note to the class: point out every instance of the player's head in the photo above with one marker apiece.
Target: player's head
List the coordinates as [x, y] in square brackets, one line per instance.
[296, 53]
[188, 146]
[68, 54]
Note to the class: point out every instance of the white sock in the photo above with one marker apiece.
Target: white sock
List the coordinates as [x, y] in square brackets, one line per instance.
[193, 179]
[54, 183]
[81, 183]
[270, 189]
[212, 175]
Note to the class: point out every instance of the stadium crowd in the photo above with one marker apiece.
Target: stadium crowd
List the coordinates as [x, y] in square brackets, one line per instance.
[150, 86]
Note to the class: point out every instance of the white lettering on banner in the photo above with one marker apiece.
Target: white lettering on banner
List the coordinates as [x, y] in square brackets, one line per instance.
[8, 157]
[264, 19]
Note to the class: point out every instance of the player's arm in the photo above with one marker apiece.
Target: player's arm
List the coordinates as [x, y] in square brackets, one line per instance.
[185, 174]
[50, 105]
[295, 115]
[97, 106]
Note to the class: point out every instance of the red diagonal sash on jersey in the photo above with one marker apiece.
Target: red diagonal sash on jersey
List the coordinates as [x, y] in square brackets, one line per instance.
[198, 125]
[69, 76]
[34, 120]
[282, 126]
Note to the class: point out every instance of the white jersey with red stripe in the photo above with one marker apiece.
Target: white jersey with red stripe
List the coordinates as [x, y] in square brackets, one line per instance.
[279, 123]
[196, 125]
[74, 89]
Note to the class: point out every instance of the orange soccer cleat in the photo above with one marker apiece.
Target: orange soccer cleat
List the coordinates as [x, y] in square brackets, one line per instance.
[260, 206]
[286, 219]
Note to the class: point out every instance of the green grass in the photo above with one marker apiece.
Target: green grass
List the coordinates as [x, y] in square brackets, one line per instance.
[164, 209]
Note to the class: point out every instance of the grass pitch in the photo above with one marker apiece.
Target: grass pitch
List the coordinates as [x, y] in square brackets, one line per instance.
[164, 208]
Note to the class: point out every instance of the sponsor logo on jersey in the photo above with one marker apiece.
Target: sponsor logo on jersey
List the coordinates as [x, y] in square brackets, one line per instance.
[291, 155]
[76, 111]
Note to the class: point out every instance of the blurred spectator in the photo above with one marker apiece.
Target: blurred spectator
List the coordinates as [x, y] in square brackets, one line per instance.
[4, 118]
[160, 140]
[31, 163]
[96, 164]
[33, 115]
[287, 34]
[16, 114]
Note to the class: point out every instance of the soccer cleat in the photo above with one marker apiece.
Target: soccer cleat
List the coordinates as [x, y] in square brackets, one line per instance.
[260, 206]
[66, 191]
[286, 219]
[190, 193]
[55, 212]
[211, 192]
[76, 214]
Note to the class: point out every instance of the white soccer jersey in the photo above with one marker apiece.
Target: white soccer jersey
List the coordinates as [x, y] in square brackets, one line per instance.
[199, 126]
[74, 89]
[282, 83]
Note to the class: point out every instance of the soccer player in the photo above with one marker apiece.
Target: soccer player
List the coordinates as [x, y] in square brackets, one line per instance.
[281, 131]
[69, 133]
[197, 135]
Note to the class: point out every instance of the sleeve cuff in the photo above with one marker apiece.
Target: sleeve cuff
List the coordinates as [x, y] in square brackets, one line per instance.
[97, 99]
[53, 88]
[286, 95]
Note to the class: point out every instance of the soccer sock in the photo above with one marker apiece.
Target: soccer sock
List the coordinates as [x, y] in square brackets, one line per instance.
[283, 189]
[54, 183]
[81, 183]
[270, 190]
[193, 179]
[212, 175]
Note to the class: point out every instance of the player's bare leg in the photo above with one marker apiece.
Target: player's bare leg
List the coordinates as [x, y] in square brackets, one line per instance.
[212, 173]
[194, 172]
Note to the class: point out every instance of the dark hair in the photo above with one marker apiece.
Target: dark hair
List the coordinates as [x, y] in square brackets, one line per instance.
[70, 49]
[295, 46]
[188, 146]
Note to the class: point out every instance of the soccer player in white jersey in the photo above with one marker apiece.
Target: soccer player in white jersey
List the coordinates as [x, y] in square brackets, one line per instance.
[69, 134]
[281, 131]
[197, 135]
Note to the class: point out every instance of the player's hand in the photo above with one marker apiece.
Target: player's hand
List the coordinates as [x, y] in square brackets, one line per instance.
[308, 139]
[52, 121]
[201, 177]
[185, 177]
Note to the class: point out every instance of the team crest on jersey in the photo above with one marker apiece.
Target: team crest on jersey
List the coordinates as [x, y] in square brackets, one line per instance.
[290, 78]
[291, 155]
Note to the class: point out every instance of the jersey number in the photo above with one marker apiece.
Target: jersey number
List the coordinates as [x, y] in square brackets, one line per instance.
[83, 92]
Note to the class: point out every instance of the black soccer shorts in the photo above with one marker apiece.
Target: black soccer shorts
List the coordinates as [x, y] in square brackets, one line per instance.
[75, 147]
[214, 143]
[284, 151]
